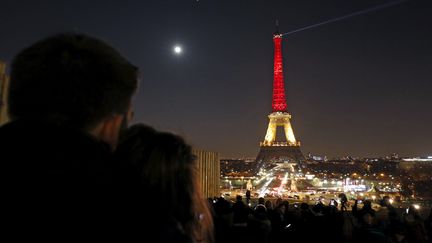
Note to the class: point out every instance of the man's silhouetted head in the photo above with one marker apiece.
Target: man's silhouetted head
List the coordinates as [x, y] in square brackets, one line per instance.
[72, 80]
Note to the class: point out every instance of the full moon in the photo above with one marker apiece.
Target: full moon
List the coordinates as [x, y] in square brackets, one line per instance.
[177, 49]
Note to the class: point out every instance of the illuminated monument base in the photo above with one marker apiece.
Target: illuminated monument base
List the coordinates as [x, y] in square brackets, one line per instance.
[272, 151]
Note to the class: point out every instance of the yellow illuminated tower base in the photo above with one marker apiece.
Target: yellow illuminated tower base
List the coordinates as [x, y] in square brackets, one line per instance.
[279, 119]
[273, 151]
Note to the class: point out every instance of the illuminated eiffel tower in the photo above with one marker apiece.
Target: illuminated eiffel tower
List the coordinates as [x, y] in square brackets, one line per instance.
[272, 151]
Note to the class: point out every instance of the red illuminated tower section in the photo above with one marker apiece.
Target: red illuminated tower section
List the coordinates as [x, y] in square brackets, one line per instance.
[279, 101]
[286, 150]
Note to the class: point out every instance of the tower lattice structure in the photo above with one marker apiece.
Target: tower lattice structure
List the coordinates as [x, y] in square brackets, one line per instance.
[272, 150]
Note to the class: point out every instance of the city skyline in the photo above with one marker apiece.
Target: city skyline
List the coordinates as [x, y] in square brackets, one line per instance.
[357, 87]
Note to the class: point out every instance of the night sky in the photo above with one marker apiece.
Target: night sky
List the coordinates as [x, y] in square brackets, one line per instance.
[361, 86]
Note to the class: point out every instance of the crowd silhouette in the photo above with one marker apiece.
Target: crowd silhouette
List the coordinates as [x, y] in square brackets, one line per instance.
[279, 221]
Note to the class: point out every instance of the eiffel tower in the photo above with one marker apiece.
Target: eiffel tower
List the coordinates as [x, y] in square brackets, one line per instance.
[272, 151]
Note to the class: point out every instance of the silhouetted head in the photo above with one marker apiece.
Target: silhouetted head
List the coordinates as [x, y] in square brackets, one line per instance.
[414, 211]
[222, 207]
[367, 204]
[385, 202]
[268, 204]
[278, 201]
[282, 208]
[286, 203]
[343, 197]
[304, 206]
[168, 172]
[239, 198]
[260, 211]
[71, 80]
[261, 200]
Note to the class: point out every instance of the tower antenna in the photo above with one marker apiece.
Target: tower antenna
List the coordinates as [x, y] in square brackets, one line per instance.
[277, 26]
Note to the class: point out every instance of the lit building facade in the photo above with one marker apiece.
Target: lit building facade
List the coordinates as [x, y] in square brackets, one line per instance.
[208, 172]
[4, 86]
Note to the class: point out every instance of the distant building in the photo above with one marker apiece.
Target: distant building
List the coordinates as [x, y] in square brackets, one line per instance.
[317, 157]
[419, 159]
[209, 172]
[417, 167]
[4, 86]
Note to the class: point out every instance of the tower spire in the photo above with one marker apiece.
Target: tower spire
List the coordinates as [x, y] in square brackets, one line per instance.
[279, 102]
[277, 27]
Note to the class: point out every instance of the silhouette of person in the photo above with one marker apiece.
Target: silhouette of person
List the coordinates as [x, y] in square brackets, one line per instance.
[168, 173]
[343, 200]
[428, 225]
[366, 209]
[69, 97]
[240, 212]
[415, 228]
[248, 196]
[259, 225]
